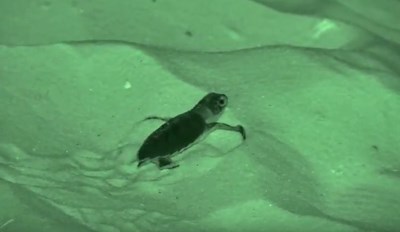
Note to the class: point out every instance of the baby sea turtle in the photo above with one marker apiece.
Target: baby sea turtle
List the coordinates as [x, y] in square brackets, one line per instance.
[181, 131]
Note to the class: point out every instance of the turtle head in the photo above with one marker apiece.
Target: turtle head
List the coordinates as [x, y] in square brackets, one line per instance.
[211, 106]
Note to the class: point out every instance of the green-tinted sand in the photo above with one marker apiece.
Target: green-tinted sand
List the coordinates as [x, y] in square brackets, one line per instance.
[314, 83]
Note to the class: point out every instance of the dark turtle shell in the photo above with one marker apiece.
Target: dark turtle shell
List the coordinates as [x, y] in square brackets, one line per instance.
[173, 136]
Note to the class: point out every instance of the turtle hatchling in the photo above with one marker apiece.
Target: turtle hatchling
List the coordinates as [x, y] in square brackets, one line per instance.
[181, 131]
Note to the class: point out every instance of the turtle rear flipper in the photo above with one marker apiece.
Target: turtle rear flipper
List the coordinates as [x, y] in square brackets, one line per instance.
[165, 163]
[142, 162]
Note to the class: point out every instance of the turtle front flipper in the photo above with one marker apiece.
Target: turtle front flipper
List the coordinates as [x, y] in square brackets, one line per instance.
[166, 163]
[165, 119]
[224, 126]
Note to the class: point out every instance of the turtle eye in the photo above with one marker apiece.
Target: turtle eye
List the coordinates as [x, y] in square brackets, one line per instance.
[222, 101]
